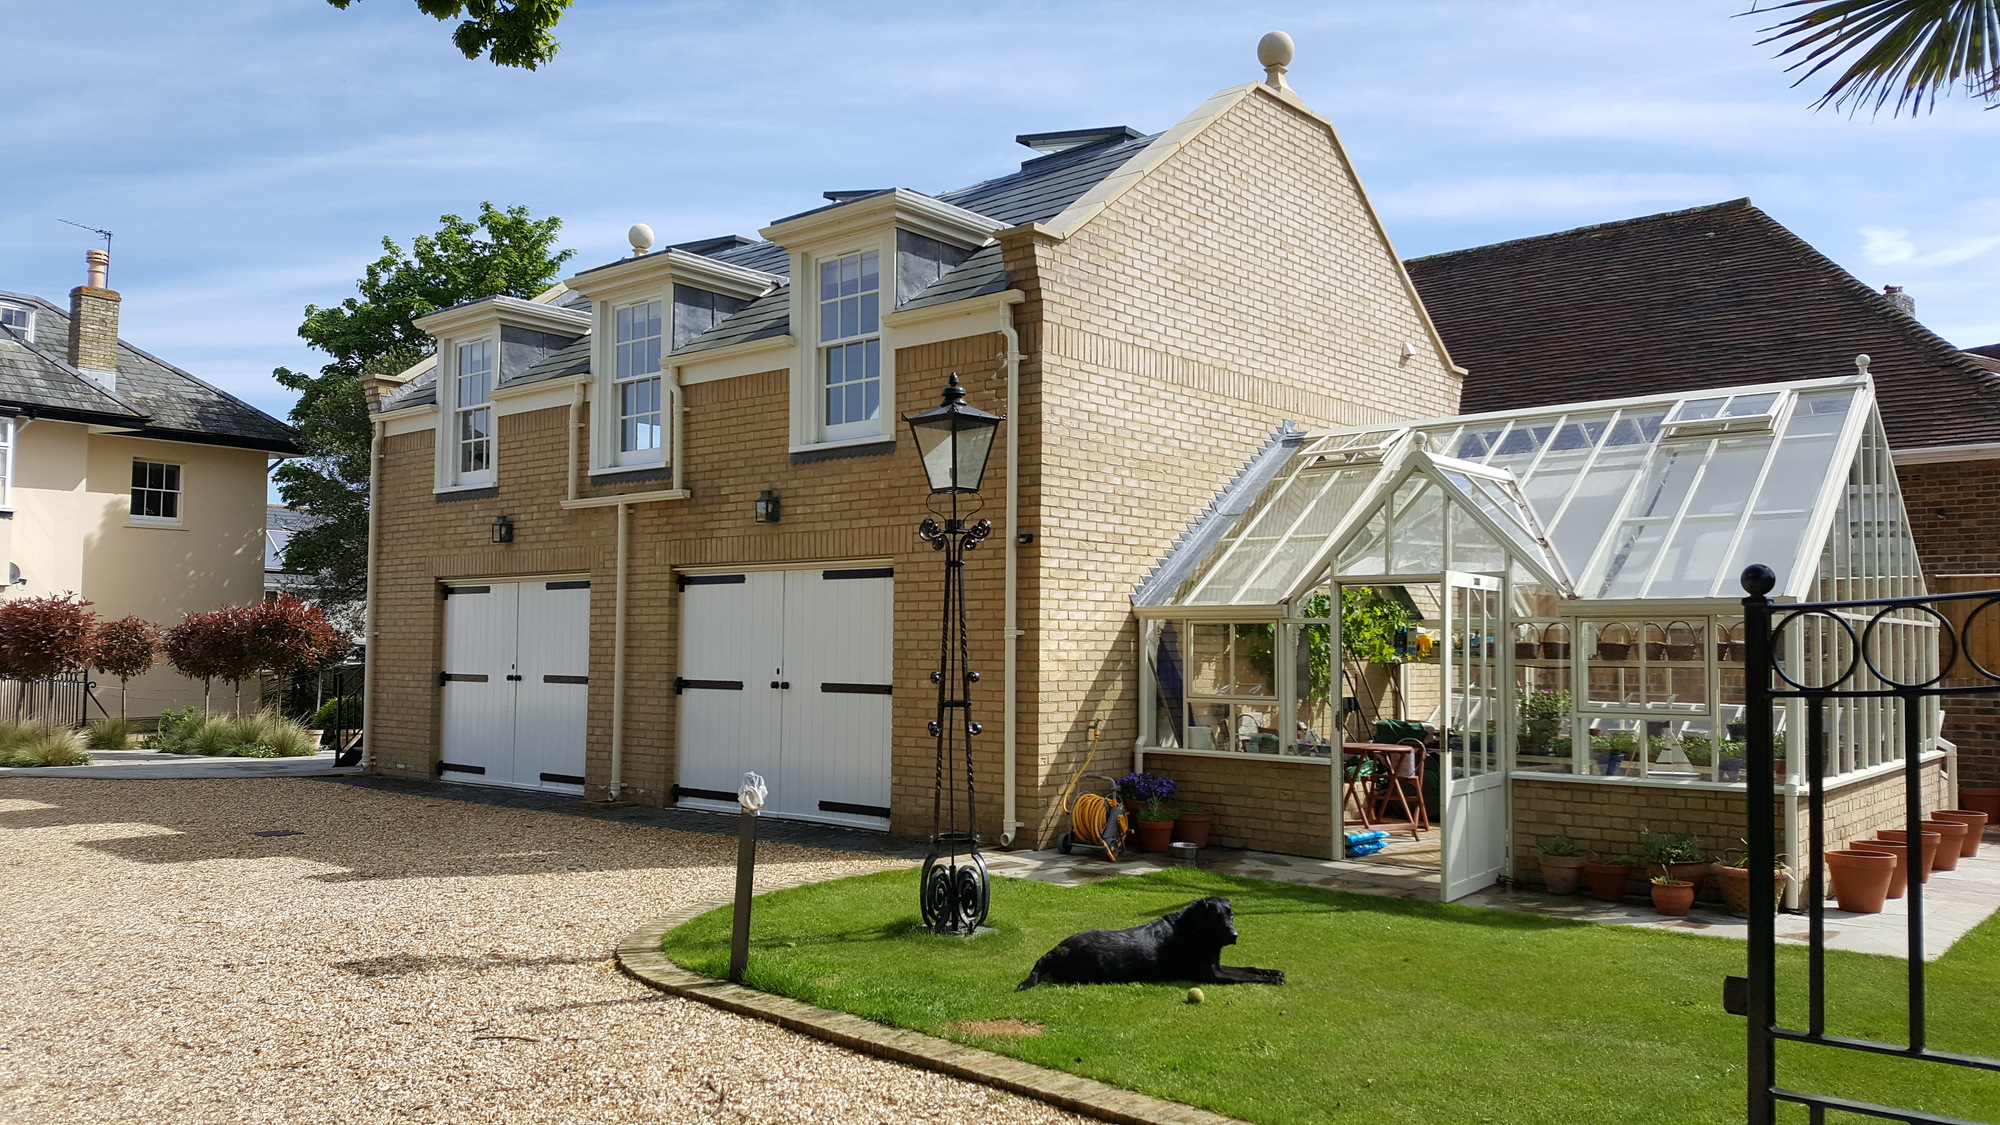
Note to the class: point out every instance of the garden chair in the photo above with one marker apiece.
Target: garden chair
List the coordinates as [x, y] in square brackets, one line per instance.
[1357, 775]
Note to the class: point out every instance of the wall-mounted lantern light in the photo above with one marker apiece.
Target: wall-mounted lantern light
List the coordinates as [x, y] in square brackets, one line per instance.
[503, 529]
[767, 507]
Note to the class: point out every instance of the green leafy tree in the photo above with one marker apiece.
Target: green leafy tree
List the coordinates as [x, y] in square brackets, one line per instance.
[509, 32]
[1906, 50]
[506, 253]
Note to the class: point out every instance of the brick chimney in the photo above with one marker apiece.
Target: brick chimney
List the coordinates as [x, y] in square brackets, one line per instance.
[93, 325]
[1903, 301]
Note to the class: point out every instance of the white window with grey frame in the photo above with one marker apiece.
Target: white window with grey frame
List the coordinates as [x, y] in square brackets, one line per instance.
[850, 345]
[636, 383]
[471, 452]
[156, 493]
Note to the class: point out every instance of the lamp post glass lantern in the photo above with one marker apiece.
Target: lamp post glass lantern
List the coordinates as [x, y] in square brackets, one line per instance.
[954, 441]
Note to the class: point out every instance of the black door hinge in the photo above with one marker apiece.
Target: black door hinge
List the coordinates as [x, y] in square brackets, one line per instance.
[680, 684]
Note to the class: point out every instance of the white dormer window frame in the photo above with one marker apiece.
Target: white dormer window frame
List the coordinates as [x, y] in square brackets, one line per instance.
[634, 431]
[469, 443]
[845, 362]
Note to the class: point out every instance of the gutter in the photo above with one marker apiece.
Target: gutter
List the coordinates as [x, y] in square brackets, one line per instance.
[372, 655]
[1010, 821]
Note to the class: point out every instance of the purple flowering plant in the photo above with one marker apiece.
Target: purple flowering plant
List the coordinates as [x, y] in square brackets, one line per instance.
[1155, 790]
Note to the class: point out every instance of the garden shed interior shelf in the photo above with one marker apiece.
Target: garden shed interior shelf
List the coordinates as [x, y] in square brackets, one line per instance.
[1569, 576]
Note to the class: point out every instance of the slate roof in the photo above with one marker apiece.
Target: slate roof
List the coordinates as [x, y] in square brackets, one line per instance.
[153, 397]
[1707, 297]
[1041, 188]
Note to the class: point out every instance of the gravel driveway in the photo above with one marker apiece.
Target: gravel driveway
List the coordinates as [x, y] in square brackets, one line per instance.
[405, 959]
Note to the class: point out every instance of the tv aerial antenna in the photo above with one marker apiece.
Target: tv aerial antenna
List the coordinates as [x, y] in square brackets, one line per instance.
[104, 234]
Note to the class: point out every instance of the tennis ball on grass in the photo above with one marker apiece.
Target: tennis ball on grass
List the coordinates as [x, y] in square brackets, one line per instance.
[1195, 996]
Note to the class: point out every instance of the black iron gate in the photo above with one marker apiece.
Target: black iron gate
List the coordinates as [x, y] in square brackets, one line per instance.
[1853, 673]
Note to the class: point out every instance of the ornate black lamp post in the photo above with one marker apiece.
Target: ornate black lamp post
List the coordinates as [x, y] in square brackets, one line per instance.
[954, 440]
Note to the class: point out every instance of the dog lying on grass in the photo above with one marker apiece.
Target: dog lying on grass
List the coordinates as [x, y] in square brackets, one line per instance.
[1183, 946]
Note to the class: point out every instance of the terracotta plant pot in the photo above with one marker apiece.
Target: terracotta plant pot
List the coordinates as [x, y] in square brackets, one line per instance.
[1951, 846]
[1927, 849]
[1899, 878]
[1696, 873]
[1673, 898]
[1193, 828]
[1975, 827]
[1607, 880]
[1982, 800]
[1860, 879]
[1155, 835]
[1734, 883]
[1562, 874]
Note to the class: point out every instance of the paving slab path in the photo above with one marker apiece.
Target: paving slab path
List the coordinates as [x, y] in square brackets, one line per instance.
[304, 950]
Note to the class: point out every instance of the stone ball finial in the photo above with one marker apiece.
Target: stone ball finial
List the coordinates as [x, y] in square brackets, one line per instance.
[1861, 363]
[641, 238]
[1275, 49]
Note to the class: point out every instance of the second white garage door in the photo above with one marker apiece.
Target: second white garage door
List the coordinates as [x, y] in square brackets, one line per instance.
[787, 673]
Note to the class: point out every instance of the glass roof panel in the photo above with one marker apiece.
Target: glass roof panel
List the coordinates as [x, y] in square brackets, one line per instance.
[1628, 508]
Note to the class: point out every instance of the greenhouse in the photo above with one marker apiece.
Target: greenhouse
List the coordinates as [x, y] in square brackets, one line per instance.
[1550, 598]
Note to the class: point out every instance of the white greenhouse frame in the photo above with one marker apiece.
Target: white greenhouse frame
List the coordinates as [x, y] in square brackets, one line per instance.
[1636, 514]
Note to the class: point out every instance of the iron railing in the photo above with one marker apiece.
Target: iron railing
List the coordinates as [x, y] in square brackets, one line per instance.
[1856, 674]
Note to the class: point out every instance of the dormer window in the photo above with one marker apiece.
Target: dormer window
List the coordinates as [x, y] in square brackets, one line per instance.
[850, 344]
[18, 318]
[637, 383]
[472, 414]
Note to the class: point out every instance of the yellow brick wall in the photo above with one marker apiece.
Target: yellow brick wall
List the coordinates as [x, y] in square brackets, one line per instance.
[1239, 285]
[737, 446]
[1265, 803]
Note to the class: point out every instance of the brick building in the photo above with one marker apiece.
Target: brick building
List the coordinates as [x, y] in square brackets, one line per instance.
[1694, 299]
[657, 527]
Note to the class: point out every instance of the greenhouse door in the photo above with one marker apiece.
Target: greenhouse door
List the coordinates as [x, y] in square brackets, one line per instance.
[1474, 780]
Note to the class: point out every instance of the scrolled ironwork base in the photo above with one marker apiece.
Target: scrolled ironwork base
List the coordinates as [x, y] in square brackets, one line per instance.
[955, 892]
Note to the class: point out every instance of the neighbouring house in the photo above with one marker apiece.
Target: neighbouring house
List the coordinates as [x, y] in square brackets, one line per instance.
[123, 478]
[280, 524]
[1700, 298]
[658, 527]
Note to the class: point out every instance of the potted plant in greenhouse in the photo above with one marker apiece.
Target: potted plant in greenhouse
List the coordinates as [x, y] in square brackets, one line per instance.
[1610, 751]
[1673, 855]
[1607, 878]
[1542, 713]
[1672, 897]
[1562, 866]
[1151, 796]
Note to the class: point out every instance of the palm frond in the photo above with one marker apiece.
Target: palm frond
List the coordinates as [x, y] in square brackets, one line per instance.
[1906, 50]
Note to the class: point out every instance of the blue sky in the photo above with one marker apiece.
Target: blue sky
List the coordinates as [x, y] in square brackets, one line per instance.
[249, 154]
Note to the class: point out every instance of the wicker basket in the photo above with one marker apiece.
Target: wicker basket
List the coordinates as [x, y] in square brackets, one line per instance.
[1684, 644]
[1614, 650]
[1555, 650]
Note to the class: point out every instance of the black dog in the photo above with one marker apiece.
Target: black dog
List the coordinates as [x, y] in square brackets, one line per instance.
[1185, 945]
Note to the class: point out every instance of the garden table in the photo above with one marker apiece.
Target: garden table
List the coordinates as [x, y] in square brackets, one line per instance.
[1396, 760]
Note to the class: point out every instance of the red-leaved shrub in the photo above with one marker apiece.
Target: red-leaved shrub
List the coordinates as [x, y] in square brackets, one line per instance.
[45, 637]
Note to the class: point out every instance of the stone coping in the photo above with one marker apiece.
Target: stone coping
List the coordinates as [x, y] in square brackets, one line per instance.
[640, 958]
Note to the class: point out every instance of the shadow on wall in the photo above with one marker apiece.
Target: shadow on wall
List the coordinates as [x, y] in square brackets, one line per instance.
[361, 834]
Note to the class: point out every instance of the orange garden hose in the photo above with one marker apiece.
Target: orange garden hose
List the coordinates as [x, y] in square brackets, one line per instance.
[1089, 812]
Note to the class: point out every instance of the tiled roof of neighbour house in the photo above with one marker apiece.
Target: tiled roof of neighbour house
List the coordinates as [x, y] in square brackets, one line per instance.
[1989, 351]
[157, 398]
[1707, 297]
[1989, 362]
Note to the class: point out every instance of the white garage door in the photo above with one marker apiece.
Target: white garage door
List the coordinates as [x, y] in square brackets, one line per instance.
[515, 680]
[788, 673]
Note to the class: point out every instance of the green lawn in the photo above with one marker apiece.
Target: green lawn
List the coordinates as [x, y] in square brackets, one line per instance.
[1394, 1011]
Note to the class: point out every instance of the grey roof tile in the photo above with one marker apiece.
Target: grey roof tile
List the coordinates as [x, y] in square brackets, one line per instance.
[572, 359]
[767, 316]
[976, 276]
[164, 399]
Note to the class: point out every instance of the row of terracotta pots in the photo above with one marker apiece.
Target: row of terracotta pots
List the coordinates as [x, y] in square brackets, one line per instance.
[1190, 827]
[1868, 872]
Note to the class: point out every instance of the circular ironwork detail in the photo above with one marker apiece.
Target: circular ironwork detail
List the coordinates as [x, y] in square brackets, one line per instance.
[1868, 638]
[1966, 646]
[1778, 665]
